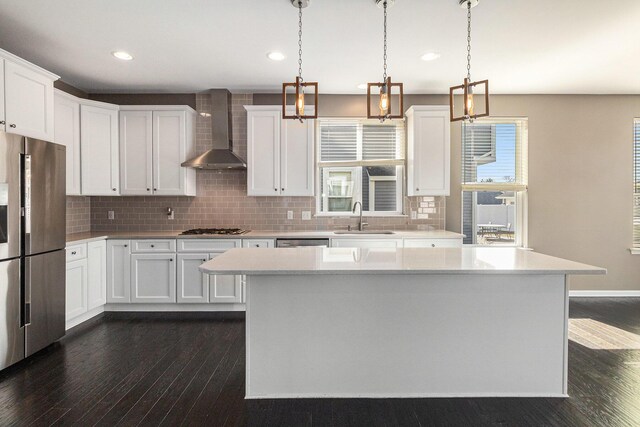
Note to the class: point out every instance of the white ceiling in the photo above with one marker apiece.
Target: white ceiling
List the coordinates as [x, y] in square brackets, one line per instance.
[522, 46]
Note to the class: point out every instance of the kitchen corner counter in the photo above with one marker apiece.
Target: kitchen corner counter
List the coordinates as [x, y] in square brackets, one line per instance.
[77, 238]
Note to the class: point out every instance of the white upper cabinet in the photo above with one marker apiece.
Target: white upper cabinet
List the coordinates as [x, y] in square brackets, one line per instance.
[428, 150]
[279, 153]
[296, 158]
[3, 121]
[154, 141]
[99, 149]
[67, 133]
[263, 151]
[27, 96]
[136, 142]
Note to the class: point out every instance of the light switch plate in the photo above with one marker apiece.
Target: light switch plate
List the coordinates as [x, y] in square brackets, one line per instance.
[306, 215]
[289, 214]
[414, 214]
[111, 215]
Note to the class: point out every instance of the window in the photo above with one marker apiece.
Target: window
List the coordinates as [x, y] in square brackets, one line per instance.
[636, 186]
[494, 182]
[360, 161]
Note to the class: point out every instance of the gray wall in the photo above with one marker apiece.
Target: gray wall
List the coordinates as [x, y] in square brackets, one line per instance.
[580, 175]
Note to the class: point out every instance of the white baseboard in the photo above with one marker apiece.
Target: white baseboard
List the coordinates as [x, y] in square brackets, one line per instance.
[83, 317]
[174, 307]
[604, 294]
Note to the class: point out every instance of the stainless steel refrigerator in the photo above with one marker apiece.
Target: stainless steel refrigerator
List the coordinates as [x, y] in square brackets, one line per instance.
[32, 241]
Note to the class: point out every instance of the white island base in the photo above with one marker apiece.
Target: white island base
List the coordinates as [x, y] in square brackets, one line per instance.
[406, 336]
[403, 322]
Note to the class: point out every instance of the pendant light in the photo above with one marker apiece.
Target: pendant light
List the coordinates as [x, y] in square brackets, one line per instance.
[468, 87]
[300, 85]
[384, 107]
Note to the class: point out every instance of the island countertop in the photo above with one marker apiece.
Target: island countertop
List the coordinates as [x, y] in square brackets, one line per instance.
[317, 260]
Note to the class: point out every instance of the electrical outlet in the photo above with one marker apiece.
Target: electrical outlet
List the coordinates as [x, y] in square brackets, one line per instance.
[306, 215]
[111, 215]
[414, 214]
[289, 214]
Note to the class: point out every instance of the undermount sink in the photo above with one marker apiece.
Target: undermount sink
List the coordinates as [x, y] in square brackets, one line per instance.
[364, 232]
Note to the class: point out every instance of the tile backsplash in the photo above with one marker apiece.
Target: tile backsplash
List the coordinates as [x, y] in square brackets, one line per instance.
[222, 199]
[78, 214]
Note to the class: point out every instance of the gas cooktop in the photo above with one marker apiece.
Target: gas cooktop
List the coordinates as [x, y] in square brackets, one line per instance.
[218, 231]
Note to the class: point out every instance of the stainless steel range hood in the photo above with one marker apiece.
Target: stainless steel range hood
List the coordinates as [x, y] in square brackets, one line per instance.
[221, 155]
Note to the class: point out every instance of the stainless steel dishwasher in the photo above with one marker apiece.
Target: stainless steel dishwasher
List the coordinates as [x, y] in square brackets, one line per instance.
[294, 243]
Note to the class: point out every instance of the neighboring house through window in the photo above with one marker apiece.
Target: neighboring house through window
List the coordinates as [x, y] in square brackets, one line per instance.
[360, 161]
[494, 182]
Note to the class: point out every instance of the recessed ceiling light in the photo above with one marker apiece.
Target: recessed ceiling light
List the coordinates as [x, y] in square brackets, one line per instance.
[121, 54]
[430, 56]
[362, 86]
[276, 56]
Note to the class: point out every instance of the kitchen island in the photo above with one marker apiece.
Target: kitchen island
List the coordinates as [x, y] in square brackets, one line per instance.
[387, 322]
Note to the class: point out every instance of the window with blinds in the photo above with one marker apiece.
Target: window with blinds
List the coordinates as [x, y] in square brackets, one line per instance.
[636, 184]
[494, 181]
[360, 161]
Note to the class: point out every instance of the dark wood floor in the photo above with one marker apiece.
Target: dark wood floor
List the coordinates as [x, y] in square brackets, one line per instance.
[151, 370]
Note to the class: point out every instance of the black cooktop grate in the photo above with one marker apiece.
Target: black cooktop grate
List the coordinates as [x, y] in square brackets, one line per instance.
[218, 231]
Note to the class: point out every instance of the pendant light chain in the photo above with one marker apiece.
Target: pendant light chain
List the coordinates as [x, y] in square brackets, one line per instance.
[469, 40]
[384, 57]
[300, 39]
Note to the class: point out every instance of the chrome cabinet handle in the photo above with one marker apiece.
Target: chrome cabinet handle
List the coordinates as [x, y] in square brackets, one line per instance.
[12, 125]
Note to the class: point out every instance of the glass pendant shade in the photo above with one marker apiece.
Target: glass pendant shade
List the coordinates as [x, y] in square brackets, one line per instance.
[384, 98]
[299, 99]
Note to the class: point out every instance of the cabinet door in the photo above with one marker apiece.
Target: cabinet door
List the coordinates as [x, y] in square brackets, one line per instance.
[169, 151]
[76, 288]
[428, 154]
[3, 120]
[118, 271]
[99, 151]
[96, 274]
[263, 152]
[224, 288]
[153, 278]
[136, 138]
[296, 158]
[67, 133]
[366, 243]
[29, 102]
[193, 285]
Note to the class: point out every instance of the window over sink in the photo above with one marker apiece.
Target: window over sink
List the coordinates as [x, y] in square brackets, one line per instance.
[363, 161]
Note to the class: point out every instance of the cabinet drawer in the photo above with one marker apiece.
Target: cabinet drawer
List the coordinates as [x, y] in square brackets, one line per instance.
[207, 245]
[258, 243]
[76, 252]
[432, 243]
[154, 245]
[366, 243]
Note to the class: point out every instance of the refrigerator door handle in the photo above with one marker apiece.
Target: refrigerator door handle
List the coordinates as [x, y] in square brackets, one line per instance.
[26, 292]
[26, 212]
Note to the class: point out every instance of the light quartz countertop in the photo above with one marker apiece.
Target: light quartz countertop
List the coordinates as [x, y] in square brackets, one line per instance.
[316, 260]
[89, 236]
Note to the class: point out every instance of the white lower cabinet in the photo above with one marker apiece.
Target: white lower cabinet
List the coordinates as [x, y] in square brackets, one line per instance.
[193, 285]
[96, 274]
[76, 295]
[366, 243]
[224, 288]
[153, 278]
[118, 271]
[86, 279]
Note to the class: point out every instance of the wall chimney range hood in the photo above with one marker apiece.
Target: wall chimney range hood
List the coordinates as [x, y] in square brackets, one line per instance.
[221, 155]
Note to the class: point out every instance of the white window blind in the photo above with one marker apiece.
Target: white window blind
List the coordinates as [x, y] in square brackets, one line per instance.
[348, 143]
[636, 184]
[488, 165]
